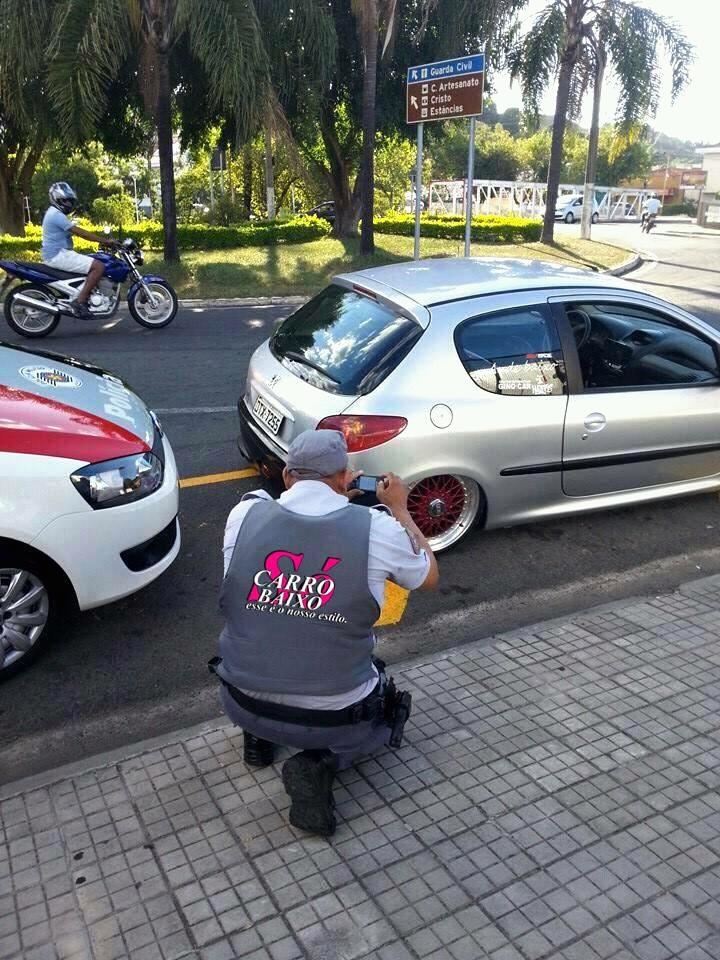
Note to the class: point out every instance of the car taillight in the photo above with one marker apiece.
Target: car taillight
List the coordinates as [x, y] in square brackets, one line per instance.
[362, 433]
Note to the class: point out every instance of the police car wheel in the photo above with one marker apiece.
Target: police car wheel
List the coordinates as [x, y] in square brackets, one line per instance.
[595, 217]
[569, 217]
[26, 321]
[30, 599]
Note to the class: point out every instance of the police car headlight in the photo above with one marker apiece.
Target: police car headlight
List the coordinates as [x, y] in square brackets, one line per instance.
[114, 482]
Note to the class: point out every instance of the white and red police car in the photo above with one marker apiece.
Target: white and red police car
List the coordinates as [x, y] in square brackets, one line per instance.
[88, 496]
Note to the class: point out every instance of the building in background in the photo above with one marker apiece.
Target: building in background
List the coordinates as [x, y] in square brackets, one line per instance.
[711, 165]
[673, 183]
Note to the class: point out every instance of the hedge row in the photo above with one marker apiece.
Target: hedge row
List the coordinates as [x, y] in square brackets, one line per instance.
[673, 209]
[485, 229]
[263, 233]
[196, 236]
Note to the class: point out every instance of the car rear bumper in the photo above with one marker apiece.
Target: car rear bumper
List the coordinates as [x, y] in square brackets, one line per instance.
[110, 554]
[257, 448]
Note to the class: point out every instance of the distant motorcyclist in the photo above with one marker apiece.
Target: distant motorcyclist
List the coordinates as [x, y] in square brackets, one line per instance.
[57, 245]
[650, 209]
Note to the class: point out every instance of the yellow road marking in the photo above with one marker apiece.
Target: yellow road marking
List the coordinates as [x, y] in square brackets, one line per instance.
[395, 597]
[394, 607]
[219, 477]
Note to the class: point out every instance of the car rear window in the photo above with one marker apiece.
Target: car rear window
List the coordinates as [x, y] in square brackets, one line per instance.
[344, 342]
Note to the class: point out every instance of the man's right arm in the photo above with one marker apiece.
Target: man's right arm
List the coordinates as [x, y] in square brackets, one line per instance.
[393, 493]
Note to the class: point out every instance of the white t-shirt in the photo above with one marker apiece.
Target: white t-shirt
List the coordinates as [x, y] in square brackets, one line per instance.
[652, 205]
[391, 556]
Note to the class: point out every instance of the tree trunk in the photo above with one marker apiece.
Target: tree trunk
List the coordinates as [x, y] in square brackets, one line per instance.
[15, 178]
[12, 213]
[591, 168]
[247, 179]
[269, 175]
[163, 121]
[367, 172]
[574, 13]
[556, 149]
[347, 211]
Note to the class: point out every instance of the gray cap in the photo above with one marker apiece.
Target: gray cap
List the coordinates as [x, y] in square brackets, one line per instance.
[315, 454]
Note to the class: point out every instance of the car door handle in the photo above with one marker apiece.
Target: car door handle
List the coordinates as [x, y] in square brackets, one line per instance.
[594, 422]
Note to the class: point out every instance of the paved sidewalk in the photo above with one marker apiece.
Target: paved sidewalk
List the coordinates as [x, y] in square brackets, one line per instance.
[557, 797]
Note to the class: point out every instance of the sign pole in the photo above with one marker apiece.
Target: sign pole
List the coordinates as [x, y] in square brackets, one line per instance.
[418, 189]
[470, 186]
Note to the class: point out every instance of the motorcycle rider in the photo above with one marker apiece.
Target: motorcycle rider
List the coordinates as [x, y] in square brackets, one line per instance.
[57, 245]
[650, 208]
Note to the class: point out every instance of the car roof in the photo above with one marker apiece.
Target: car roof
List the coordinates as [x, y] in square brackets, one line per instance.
[430, 282]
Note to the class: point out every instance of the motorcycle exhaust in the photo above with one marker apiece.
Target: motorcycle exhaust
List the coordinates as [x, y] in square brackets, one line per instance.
[43, 305]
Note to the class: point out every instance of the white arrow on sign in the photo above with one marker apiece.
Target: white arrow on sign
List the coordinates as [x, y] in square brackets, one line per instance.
[414, 102]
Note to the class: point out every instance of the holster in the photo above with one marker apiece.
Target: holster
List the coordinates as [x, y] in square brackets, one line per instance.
[398, 706]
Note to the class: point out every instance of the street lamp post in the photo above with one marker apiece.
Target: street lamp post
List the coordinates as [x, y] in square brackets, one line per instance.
[134, 175]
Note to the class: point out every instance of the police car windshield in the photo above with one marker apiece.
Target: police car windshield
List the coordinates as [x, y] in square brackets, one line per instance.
[344, 342]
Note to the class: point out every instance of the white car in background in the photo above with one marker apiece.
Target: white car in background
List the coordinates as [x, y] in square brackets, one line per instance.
[569, 209]
[88, 496]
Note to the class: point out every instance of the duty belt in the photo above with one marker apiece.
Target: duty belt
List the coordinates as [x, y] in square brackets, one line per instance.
[371, 708]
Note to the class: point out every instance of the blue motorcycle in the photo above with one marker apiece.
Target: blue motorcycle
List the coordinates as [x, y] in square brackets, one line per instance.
[34, 308]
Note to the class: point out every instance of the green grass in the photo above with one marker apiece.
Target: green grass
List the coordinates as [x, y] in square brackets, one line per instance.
[304, 268]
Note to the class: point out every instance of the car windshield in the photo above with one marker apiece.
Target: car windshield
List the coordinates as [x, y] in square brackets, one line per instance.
[343, 341]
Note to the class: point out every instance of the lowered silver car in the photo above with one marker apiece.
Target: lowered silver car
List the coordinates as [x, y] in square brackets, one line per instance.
[502, 390]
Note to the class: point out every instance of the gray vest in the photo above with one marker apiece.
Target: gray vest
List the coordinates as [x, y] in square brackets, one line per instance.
[298, 610]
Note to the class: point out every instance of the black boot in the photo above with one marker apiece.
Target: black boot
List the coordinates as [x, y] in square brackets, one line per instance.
[257, 752]
[308, 779]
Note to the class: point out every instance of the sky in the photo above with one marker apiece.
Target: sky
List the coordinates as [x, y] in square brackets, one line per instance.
[695, 114]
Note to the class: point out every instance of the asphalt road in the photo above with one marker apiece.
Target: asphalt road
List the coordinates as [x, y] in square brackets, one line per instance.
[137, 669]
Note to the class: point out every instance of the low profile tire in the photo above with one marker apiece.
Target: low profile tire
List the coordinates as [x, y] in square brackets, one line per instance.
[26, 321]
[143, 312]
[31, 599]
[595, 217]
[569, 217]
[445, 507]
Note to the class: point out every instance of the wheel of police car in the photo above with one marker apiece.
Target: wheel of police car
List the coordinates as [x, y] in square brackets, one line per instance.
[445, 507]
[30, 598]
[26, 321]
[156, 315]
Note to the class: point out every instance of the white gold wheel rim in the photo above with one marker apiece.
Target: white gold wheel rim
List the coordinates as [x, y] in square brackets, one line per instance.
[32, 321]
[163, 307]
[24, 612]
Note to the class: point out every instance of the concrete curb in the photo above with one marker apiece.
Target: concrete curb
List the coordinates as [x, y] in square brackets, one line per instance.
[121, 754]
[289, 301]
[632, 264]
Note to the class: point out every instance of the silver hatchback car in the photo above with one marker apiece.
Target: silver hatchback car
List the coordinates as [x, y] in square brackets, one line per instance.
[502, 390]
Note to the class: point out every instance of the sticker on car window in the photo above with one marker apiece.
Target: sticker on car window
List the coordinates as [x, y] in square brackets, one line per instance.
[535, 378]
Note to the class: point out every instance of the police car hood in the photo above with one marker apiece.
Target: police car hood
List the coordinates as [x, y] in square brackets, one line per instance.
[59, 407]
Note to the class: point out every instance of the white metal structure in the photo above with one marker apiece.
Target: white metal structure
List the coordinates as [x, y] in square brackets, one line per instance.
[524, 198]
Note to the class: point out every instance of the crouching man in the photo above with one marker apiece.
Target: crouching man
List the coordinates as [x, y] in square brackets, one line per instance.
[304, 583]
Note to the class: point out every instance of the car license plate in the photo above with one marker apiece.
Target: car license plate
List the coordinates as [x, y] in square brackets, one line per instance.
[267, 415]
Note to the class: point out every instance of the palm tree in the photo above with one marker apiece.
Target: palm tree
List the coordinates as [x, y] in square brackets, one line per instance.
[25, 121]
[375, 18]
[94, 40]
[575, 40]
[629, 37]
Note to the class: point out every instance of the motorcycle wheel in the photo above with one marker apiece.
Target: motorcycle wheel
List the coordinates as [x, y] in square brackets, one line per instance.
[26, 321]
[161, 315]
